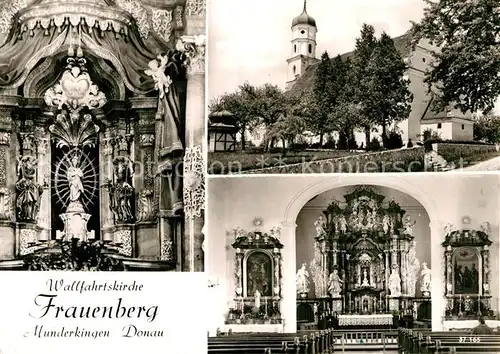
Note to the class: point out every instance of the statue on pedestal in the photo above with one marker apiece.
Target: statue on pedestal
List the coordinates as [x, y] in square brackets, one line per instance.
[395, 283]
[320, 225]
[302, 280]
[257, 299]
[425, 284]
[408, 225]
[121, 192]
[335, 284]
[365, 278]
[28, 191]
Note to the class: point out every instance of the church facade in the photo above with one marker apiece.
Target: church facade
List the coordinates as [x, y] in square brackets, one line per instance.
[303, 62]
[290, 253]
[101, 130]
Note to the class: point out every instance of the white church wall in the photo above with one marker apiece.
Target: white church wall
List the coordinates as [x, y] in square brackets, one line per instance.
[234, 202]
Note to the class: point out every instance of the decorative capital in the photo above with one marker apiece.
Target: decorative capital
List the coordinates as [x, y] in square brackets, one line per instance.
[194, 182]
[194, 48]
[196, 8]
[4, 138]
[146, 140]
[27, 141]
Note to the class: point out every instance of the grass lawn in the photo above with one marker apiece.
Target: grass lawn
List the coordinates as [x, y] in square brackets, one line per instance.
[235, 162]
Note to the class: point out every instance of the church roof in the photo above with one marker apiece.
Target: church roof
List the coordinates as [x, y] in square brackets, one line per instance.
[306, 81]
[304, 18]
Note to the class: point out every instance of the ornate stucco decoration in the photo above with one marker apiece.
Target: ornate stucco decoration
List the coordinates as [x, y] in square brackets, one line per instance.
[75, 89]
[196, 7]
[94, 13]
[194, 48]
[194, 182]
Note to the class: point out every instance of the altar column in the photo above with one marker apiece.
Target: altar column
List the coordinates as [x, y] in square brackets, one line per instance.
[7, 189]
[44, 221]
[288, 284]
[194, 160]
[438, 264]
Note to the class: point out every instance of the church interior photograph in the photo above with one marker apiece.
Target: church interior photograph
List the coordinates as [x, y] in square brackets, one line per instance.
[339, 261]
[102, 107]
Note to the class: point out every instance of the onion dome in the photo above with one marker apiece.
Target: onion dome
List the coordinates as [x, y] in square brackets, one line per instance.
[304, 18]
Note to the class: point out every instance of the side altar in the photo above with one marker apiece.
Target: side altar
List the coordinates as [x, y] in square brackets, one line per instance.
[364, 269]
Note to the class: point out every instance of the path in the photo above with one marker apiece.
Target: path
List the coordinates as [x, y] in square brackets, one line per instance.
[488, 165]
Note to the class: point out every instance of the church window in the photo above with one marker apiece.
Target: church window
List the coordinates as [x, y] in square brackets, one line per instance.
[439, 125]
[423, 60]
[295, 48]
[310, 48]
[294, 69]
[463, 126]
[302, 32]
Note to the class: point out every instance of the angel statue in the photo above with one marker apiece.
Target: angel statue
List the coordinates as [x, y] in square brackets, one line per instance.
[320, 225]
[302, 280]
[425, 283]
[157, 72]
[408, 225]
[486, 227]
[386, 223]
[395, 283]
[335, 284]
[343, 224]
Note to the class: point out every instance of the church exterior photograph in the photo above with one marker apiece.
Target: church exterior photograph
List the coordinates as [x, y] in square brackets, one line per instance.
[101, 135]
[364, 92]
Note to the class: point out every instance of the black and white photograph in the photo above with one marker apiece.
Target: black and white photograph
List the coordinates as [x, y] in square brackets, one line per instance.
[102, 131]
[320, 86]
[350, 260]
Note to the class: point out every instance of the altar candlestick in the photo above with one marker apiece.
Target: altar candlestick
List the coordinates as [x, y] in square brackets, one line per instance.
[265, 304]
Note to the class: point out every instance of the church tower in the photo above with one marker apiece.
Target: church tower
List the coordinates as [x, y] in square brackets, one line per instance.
[303, 46]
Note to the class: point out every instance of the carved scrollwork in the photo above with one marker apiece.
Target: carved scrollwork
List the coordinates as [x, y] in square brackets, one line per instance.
[146, 140]
[7, 204]
[166, 249]
[162, 23]
[194, 182]
[72, 133]
[28, 191]
[124, 237]
[147, 208]
[75, 90]
[194, 48]
[5, 138]
[196, 7]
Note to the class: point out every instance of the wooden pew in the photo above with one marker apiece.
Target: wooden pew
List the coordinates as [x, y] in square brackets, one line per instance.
[412, 341]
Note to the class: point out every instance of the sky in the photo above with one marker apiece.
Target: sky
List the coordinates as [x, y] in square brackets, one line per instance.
[249, 40]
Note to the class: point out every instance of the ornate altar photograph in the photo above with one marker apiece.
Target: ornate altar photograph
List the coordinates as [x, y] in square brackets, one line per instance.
[102, 108]
[363, 262]
[352, 253]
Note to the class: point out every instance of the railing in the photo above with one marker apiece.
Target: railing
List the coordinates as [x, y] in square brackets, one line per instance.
[468, 306]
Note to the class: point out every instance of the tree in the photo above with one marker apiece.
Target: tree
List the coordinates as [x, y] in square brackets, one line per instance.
[487, 128]
[466, 70]
[365, 45]
[320, 100]
[243, 104]
[387, 95]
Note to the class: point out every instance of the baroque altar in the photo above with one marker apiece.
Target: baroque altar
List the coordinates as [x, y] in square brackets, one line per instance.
[101, 126]
[365, 263]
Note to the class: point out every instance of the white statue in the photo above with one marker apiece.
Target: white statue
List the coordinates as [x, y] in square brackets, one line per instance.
[334, 284]
[257, 299]
[395, 283]
[157, 72]
[74, 176]
[320, 226]
[302, 280]
[425, 283]
[365, 278]
[386, 223]
[408, 225]
[486, 228]
[343, 224]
